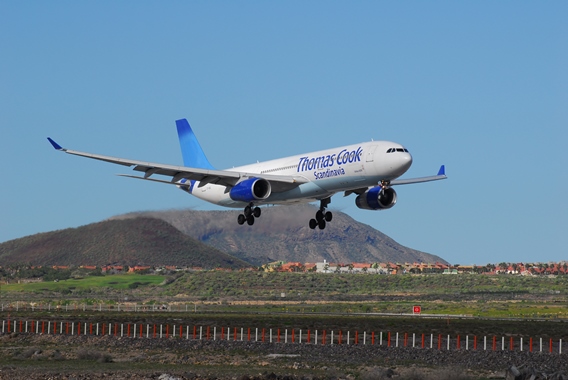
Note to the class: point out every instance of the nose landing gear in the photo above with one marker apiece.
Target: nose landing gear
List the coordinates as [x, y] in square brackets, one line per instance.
[322, 216]
[249, 214]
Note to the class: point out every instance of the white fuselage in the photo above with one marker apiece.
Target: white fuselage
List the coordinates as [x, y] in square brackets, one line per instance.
[327, 172]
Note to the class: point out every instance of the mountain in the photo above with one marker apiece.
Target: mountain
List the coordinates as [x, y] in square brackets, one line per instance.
[210, 239]
[147, 241]
[282, 233]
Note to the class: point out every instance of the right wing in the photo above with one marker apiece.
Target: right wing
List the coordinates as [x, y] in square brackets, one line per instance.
[177, 173]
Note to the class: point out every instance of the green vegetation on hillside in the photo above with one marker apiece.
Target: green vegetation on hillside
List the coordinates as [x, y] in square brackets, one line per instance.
[247, 291]
[260, 285]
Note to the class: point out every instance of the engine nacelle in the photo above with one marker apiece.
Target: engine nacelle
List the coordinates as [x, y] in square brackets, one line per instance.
[376, 198]
[250, 190]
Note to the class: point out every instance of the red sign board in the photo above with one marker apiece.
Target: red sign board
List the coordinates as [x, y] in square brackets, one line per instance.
[417, 309]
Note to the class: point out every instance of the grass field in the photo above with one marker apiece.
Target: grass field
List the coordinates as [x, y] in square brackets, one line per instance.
[495, 309]
[124, 281]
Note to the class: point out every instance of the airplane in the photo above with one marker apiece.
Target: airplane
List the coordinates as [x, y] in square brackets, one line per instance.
[367, 169]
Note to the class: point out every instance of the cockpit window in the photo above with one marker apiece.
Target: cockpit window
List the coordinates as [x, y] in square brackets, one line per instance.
[392, 150]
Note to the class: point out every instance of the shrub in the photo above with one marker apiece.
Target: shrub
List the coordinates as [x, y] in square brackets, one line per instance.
[28, 353]
[85, 354]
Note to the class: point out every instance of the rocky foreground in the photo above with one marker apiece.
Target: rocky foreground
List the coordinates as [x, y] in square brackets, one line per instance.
[41, 357]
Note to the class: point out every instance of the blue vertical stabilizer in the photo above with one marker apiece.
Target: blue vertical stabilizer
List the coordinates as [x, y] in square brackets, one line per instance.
[191, 151]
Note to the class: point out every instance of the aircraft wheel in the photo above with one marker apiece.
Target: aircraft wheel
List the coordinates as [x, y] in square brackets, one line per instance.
[321, 224]
[256, 212]
[328, 216]
[319, 216]
[248, 211]
[313, 224]
[250, 220]
[241, 219]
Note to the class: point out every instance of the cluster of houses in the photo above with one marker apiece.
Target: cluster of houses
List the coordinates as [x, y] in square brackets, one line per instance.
[420, 268]
[358, 268]
[115, 269]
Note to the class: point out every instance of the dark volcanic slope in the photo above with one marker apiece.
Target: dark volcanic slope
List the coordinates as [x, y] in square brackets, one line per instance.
[147, 241]
[282, 233]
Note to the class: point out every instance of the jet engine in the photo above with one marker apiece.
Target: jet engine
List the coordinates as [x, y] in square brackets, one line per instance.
[250, 190]
[376, 198]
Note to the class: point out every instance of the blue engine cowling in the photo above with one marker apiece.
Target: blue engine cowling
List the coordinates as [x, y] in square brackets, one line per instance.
[376, 198]
[250, 190]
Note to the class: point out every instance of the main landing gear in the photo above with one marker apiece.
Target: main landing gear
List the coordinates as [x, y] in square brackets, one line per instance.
[322, 216]
[250, 212]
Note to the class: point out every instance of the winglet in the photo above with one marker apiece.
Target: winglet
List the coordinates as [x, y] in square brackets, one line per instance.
[55, 145]
[442, 170]
[193, 155]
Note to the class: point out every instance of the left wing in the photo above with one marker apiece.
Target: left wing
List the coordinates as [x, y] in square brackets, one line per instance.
[441, 175]
[177, 173]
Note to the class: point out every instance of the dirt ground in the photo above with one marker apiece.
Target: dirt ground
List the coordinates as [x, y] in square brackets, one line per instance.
[42, 357]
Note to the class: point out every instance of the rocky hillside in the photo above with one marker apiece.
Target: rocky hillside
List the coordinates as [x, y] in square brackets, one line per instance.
[147, 241]
[282, 233]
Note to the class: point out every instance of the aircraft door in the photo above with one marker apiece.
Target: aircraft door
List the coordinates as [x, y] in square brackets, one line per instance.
[371, 153]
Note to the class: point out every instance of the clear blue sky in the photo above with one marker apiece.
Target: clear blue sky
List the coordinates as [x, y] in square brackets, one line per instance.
[481, 87]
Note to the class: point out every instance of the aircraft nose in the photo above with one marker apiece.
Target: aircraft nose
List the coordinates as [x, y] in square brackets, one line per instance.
[404, 162]
[408, 159]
